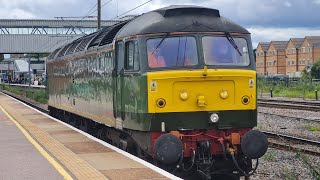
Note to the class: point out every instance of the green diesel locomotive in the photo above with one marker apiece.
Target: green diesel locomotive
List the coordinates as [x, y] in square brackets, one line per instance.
[176, 85]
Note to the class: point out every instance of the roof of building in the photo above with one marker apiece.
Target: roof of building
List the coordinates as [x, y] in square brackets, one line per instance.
[264, 45]
[21, 65]
[313, 40]
[279, 45]
[53, 23]
[297, 42]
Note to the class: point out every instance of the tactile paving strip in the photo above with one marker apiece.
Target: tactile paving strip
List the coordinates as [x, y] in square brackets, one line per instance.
[78, 167]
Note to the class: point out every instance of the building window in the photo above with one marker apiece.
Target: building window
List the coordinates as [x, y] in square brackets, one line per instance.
[288, 51]
[292, 50]
[261, 53]
[274, 63]
[308, 62]
[303, 49]
[303, 61]
[288, 63]
[274, 52]
[292, 62]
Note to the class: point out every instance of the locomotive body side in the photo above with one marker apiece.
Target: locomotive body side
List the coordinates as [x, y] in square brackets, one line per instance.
[191, 108]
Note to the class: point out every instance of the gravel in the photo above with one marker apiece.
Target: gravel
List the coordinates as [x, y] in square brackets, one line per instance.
[289, 126]
[279, 164]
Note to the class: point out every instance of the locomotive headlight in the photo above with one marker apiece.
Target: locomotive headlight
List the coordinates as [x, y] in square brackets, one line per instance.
[214, 118]
[224, 94]
[184, 95]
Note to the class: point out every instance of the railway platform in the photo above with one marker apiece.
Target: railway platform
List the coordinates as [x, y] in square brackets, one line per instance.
[34, 145]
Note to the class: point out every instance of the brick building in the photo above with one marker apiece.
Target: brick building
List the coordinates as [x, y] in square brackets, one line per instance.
[309, 52]
[276, 58]
[292, 55]
[261, 57]
[287, 57]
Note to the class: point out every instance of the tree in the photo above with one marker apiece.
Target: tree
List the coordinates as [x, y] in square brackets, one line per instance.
[262, 84]
[315, 70]
[306, 84]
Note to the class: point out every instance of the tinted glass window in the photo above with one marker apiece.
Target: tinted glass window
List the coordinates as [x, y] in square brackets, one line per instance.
[132, 61]
[120, 56]
[172, 52]
[219, 51]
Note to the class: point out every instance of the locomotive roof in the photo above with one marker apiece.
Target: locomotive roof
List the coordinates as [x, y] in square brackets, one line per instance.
[180, 18]
[164, 20]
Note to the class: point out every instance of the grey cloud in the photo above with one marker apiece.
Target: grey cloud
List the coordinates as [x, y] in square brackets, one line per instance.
[269, 13]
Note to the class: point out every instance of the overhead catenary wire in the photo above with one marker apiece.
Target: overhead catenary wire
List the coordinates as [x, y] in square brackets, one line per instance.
[131, 9]
[101, 7]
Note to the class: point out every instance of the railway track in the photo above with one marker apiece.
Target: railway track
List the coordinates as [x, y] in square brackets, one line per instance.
[291, 117]
[27, 101]
[287, 104]
[288, 142]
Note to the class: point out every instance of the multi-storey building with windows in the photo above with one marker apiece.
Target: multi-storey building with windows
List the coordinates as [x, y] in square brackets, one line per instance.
[309, 52]
[287, 57]
[261, 57]
[276, 58]
[292, 55]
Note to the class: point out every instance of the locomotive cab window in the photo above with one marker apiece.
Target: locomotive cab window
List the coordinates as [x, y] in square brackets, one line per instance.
[172, 52]
[219, 51]
[132, 60]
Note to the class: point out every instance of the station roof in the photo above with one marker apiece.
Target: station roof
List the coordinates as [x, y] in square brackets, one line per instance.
[53, 23]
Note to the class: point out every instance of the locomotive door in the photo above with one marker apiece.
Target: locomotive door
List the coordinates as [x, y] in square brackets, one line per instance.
[118, 72]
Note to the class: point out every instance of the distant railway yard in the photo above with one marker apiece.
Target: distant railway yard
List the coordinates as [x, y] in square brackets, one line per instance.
[293, 134]
[293, 130]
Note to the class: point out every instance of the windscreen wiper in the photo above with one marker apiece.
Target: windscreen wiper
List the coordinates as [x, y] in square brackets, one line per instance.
[232, 42]
[163, 38]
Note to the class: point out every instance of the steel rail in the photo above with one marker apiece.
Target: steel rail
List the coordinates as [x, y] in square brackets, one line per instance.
[288, 140]
[291, 117]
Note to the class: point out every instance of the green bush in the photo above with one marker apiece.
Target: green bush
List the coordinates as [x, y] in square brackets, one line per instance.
[38, 95]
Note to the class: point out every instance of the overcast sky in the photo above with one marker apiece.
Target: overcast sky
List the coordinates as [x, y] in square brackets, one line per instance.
[266, 19]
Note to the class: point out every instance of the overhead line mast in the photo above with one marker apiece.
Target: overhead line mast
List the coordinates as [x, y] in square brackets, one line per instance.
[99, 15]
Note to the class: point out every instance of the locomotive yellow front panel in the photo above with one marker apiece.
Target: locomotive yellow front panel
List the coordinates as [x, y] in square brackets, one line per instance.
[188, 91]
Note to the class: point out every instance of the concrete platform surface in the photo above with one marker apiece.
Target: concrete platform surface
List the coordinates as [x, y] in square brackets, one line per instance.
[79, 155]
[19, 159]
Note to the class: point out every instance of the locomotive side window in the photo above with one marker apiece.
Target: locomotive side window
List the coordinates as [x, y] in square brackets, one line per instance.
[172, 52]
[219, 51]
[120, 56]
[132, 61]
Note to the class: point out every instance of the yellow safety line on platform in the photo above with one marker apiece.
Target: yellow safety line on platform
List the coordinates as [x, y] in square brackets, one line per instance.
[51, 160]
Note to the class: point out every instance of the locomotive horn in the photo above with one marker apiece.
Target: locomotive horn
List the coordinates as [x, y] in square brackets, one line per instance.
[168, 149]
[254, 144]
